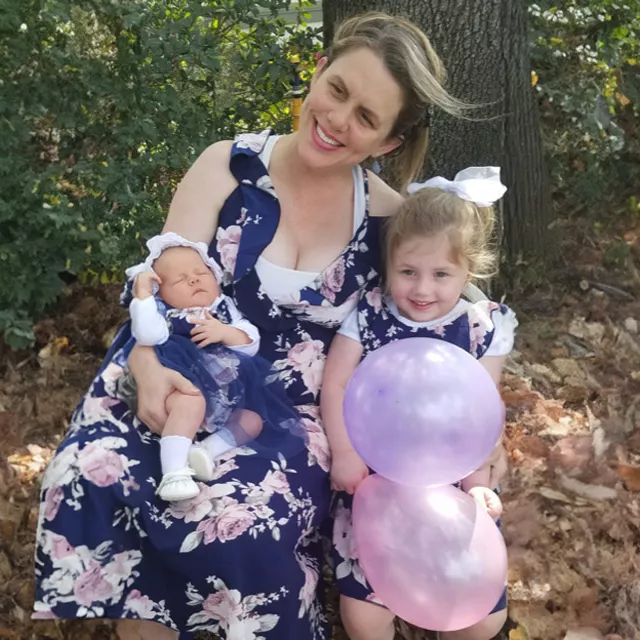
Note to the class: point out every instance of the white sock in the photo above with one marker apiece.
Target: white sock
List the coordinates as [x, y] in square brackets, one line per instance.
[174, 452]
[216, 445]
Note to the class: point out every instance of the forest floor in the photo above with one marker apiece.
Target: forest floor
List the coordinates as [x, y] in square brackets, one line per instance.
[572, 390]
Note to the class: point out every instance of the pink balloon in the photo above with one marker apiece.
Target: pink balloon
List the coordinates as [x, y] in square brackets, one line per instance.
[423, 412]
[432, 555]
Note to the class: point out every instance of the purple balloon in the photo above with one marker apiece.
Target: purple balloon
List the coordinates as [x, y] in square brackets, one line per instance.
[432, 555]
[423, 412]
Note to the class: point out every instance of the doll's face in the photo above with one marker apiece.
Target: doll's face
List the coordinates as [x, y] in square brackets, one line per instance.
[186, 280]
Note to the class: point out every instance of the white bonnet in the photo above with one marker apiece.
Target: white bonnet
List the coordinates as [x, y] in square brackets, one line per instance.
[158, 244]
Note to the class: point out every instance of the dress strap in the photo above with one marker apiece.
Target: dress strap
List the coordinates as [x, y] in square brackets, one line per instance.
[259, 210]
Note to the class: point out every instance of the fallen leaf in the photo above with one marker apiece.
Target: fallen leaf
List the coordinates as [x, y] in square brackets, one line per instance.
[583, 633]
[572, 453]
[588, 491]
[630, 476]
[568, 368]
[552, 494]
[519, 633]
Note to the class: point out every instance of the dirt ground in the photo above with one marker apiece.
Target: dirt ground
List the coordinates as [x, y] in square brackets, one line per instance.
[572, 390]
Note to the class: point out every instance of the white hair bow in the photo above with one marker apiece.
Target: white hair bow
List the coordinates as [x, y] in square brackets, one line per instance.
[480, 185]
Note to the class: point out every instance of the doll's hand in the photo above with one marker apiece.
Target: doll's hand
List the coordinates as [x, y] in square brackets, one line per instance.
[143, 284]
[208, 330]
[488, 500]
[348, 470]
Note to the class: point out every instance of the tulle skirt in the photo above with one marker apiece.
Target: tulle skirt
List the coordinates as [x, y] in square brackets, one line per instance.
[231, 382]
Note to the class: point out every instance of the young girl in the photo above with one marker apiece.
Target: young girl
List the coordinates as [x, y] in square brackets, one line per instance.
[435, 245]
[178, 309]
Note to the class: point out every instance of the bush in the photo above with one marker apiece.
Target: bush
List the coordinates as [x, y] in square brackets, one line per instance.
[103, 106]
[586, 61]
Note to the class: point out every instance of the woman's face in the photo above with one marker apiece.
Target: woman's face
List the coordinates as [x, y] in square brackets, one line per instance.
[349, 112]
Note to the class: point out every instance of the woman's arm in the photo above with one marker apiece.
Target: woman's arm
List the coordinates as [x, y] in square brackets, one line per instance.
[193, 212]
[154, 384]
[383, 200]
[194, 215]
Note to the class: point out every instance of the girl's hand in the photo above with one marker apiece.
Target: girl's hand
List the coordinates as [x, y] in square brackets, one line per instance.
[155, 383]
[488, 500]
[208, 330]
[143, 284]
[348, 470]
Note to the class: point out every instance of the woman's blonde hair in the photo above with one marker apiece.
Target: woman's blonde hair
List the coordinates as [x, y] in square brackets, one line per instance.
[469, 228]
[412, 61]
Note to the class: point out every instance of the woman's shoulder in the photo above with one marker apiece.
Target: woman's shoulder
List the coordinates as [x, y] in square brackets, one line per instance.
[201, 194]
[383, 200]
[216, 154]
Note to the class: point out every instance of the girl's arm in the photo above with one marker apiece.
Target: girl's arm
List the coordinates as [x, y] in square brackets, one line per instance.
[342, 360]
[482, 477]
[348, 470]
[194, 215]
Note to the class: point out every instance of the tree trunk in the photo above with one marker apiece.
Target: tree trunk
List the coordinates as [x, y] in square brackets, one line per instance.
[483, 44]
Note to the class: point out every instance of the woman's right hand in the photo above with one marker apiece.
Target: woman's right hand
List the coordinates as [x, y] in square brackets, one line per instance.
[155, 383]
[348, 470]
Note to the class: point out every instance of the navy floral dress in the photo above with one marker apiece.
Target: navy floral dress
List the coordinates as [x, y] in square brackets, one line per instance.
[480, 328]
[243, 558]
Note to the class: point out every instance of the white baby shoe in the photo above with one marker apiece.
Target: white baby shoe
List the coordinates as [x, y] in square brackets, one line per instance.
[178, 485]
[201, 462]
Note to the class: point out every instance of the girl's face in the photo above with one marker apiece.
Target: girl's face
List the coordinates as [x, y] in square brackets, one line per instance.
[423, 280]
[349, 112]
[186, 280]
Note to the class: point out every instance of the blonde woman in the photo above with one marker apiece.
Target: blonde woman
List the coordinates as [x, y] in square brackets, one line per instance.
[293, 223]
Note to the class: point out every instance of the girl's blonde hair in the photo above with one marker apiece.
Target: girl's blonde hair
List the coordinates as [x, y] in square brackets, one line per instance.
[469, 228]
[412, 61]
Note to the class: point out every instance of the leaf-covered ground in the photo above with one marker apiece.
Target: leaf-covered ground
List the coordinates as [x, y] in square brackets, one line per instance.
[572, 391]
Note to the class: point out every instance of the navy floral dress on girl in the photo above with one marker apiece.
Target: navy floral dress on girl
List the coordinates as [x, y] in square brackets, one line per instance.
[243, 559]
[482, 328]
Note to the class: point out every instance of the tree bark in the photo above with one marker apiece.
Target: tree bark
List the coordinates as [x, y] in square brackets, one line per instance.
[483, 44]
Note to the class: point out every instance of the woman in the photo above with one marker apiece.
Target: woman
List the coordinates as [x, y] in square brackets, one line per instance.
[243, 559]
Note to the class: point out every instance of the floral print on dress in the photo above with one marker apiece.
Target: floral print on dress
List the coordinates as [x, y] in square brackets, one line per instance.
[306, 358]
[242, 559]
[333, 279]
[472, 328]
[227, 611]
[227, 243]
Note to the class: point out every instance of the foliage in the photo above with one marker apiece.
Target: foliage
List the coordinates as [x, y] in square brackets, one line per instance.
[586, 62]
[103, 106]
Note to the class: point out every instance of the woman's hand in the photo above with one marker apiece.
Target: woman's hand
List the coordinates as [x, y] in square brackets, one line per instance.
[155, 383]
[348, 470]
